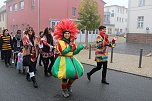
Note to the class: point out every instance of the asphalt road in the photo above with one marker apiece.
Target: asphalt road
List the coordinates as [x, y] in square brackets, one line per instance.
[123, 87]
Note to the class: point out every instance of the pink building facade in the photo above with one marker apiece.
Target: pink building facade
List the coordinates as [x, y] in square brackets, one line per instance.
[42, 13]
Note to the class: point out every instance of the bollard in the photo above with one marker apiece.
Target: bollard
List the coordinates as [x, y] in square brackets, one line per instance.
[89, 51]
[140, 58]
[111, 55]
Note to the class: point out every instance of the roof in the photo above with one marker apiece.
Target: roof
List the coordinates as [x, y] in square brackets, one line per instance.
[3, 9]
[116, 6]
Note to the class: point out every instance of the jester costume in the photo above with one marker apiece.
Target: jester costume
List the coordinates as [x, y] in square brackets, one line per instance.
[67, 67]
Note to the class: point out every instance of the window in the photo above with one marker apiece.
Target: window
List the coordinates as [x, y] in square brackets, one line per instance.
[73, 11]
[141, 3]
[140, 21]
[118, 10]
[10, 8]
[21, 5]
[53, 23]
[3, 16]
[15, 7]
[117, 19]
[33, 3]
[112, 14]
[109, 31]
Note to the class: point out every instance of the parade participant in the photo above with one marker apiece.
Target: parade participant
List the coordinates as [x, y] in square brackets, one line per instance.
[29, 42]
[40, 36]
[17, 45]
[2, 55]
[19, 65]
[12, 53]
[66, 66]
[102, 53]
[6, 46]
[47, 51]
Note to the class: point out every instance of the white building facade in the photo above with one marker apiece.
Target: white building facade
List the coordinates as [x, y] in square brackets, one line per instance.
[140, 21]
[115, 19]
[3, 18]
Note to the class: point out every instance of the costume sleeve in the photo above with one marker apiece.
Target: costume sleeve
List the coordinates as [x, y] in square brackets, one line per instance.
[78, 49]
[67, 50]
[21, 43]
[11, 43]
[99, 42]
[111, 44]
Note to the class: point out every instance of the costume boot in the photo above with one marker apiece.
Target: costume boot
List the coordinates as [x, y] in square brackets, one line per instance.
[34, 82]
[28, 77]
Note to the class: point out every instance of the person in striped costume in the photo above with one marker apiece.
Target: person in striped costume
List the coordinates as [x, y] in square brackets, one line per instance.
[6, 46]
[66, 66]
[101, 53]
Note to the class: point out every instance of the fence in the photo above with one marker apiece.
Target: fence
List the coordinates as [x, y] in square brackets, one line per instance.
[91, 36]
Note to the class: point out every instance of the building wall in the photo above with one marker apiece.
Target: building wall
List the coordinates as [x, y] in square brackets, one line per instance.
[21, 18]
[136, 34]
[101, 4]
[117, 18]
[56, 10]
[50, 10]
[3, 19]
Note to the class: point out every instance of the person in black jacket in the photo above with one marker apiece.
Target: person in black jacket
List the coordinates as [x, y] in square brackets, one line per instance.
[47, 51]
[17, 45]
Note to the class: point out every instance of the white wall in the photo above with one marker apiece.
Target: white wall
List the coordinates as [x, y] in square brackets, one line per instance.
[135, 11]
[3, 23]
[113, 20]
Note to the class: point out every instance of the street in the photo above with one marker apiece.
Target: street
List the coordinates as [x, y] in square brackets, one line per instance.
[123, 87]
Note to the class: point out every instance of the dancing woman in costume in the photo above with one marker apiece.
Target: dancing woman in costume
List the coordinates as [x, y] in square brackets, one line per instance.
[67, 67]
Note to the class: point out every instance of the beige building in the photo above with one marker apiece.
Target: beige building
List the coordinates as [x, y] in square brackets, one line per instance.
[3, 18]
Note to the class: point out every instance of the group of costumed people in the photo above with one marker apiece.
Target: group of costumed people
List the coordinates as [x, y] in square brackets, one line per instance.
[67, 67]
[64, 64]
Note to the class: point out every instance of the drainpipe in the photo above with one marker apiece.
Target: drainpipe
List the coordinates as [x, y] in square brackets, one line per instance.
[38, 16]
[128, 18]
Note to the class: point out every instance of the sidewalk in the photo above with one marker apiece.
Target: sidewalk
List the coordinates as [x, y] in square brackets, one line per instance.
[121, 62]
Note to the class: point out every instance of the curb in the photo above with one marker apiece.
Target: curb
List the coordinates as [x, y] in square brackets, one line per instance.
[121, 71]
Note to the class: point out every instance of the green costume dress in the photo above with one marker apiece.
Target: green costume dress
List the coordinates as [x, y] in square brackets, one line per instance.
[66, 66]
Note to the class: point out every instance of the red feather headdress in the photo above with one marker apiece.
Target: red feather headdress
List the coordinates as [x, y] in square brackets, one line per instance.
[63, 26]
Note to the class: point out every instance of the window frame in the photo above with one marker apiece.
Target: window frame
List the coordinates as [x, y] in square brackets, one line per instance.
[140, 22]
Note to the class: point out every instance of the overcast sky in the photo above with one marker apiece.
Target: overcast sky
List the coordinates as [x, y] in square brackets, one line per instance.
[109, 2]
[117, 2]
[2, 2]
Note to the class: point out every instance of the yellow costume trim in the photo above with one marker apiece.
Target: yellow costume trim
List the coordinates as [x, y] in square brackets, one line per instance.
[62, 69]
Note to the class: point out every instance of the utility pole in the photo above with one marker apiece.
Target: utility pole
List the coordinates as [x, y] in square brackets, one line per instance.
[38, 16]
[67, 8]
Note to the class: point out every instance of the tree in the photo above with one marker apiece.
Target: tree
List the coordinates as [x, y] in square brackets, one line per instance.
[88, 16]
